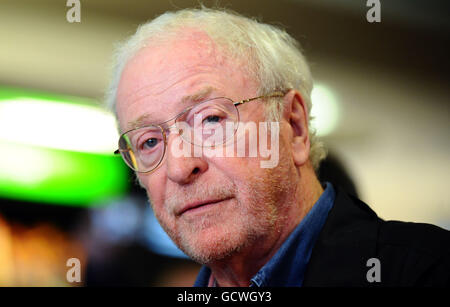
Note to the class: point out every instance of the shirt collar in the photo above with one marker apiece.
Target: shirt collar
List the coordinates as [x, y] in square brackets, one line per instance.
[287, 267]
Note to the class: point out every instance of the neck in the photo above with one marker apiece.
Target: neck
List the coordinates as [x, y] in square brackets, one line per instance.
[238, 269]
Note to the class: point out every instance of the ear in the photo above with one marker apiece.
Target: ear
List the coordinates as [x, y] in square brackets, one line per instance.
[296, 115]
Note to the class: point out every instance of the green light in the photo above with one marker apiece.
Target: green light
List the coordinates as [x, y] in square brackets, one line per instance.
[55, 123]
[57, 150]
[59, 177]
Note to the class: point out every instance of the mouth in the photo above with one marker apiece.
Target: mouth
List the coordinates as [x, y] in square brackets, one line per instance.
[199, 205]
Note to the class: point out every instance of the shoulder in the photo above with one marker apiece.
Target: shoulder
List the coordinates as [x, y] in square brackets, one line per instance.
[414, 253]
[410, 254]
[418, 237]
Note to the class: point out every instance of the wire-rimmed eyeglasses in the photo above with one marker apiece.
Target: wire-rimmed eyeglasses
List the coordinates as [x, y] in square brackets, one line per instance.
[203, 124]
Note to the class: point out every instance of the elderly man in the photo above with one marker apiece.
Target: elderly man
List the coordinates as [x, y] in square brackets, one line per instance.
[186, 88]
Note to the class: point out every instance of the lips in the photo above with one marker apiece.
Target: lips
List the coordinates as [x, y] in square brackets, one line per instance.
[198, 204]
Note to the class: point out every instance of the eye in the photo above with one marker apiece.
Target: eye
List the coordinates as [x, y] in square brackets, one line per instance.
[213, 119]
[150, 143]
[208, 114]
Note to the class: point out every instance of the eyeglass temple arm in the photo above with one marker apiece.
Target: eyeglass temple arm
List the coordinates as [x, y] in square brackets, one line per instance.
[118, 151]
[275, 94]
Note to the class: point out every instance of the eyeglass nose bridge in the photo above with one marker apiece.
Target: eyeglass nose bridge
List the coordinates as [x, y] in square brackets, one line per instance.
[173, 128]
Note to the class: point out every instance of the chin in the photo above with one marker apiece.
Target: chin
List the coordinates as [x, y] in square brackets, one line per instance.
[210, 245]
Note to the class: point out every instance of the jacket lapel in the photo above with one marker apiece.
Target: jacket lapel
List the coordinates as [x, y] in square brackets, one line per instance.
[347, 240]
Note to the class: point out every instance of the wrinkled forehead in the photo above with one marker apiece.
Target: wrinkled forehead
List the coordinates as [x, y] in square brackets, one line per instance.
[162, 57]
[161, 66]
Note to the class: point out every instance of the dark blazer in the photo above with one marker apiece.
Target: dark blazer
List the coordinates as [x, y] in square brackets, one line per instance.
[409, 254]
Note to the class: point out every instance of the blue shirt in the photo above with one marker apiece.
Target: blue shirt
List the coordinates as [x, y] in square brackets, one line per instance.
[287, 267]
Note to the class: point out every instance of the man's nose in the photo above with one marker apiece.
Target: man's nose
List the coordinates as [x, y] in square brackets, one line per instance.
[183, 166]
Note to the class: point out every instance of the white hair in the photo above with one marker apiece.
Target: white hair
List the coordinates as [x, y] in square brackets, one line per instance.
[271, 56]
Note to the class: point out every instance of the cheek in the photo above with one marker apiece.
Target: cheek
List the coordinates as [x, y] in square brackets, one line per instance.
[237, 170]
[156, 192]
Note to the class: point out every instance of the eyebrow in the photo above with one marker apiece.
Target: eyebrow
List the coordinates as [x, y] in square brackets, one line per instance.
[185, 100]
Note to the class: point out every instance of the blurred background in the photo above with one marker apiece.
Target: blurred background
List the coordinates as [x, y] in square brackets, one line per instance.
[381, 101]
